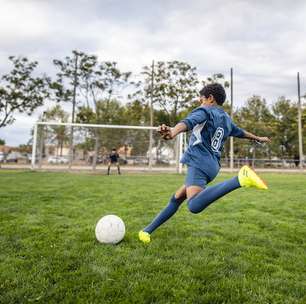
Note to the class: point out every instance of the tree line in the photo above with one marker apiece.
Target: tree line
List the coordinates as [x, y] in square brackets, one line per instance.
[101, 93]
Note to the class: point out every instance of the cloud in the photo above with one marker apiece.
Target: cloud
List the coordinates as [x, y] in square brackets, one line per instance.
[264, 41]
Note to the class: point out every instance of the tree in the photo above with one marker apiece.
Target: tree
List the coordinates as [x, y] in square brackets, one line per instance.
[2, 142]
[174, 87]
[216, 78]
[86, 115]
[133, 113]
[51, 134]
[83, 77]
[20, 90]
[256, 117]
[285, 137]
[137, 113]
[106, 112]
[71, 73]
[100, 82]
[67, 86]
[59, 134]
[168, 86]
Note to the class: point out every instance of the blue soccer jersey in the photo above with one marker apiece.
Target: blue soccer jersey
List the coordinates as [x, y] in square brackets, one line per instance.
[210, 126]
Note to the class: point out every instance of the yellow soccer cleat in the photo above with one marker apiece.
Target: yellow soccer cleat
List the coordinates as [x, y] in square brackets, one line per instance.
[144, 237]
[248, 178]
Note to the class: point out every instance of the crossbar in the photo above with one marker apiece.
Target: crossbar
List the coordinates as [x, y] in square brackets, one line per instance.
[69, 124]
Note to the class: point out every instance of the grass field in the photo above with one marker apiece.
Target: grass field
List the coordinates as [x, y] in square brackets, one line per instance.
[249, 247]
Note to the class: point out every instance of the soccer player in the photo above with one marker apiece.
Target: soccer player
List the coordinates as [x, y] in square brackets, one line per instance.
[113, 160]
[210, 126]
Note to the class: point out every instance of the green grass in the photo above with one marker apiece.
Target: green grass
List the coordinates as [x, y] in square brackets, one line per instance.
[249, 247]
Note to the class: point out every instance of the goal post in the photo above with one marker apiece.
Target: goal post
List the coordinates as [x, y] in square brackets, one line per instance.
[94, 142]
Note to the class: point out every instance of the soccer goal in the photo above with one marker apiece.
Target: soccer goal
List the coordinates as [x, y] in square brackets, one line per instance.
[88, 147]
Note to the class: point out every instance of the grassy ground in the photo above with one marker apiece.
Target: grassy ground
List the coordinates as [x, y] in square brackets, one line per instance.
[249, 247]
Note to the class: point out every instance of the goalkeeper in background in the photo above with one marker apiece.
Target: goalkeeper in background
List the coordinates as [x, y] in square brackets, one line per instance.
[210, 126]
[113, 160]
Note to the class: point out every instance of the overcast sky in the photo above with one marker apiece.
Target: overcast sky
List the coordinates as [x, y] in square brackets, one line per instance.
[264, 41]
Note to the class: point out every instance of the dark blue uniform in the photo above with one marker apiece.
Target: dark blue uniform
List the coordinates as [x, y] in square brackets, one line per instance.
[210, 126]
[114, 157]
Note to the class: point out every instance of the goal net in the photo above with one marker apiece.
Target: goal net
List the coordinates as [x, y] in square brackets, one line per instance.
[88, 147]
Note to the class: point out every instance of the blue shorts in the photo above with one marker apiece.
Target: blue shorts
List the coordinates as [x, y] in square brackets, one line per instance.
[196, 177]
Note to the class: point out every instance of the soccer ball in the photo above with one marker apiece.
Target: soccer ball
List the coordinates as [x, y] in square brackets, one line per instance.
[110, 229]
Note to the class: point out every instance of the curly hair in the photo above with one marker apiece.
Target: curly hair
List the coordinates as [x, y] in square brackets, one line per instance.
[216, 90]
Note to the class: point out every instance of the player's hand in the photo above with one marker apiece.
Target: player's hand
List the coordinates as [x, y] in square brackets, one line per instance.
[165, 131]
[264, 139]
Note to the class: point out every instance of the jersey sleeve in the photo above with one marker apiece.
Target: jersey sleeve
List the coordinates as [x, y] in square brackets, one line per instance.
[236, 131]
[196, 117]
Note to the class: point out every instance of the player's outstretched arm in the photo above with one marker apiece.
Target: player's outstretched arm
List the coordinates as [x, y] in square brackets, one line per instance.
[179, 128]
[169, 133]
[251, 136]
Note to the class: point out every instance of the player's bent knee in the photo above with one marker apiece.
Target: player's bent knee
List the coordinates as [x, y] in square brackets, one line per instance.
[192, 207]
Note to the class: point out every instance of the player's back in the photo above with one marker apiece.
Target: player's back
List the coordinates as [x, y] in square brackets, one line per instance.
[216, 130]
[210, 126]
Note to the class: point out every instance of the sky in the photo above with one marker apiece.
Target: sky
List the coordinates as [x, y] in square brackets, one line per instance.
[263, 41]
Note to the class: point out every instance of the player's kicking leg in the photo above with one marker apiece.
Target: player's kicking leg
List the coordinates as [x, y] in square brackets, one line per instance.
[173, 205]
[199, 199]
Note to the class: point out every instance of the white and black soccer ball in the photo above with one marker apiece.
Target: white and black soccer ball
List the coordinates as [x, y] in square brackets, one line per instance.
[110, 229]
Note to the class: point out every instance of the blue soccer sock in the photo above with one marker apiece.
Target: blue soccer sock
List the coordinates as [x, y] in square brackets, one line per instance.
[165, 214]
[210, 194]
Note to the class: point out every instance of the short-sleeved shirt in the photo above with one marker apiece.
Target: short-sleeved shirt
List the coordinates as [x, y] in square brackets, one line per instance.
[210, 126]
[114, 157]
